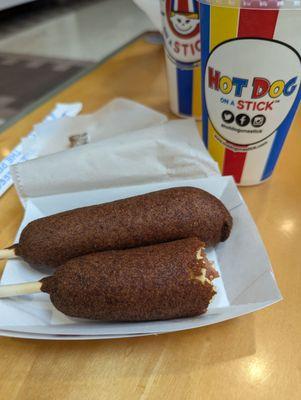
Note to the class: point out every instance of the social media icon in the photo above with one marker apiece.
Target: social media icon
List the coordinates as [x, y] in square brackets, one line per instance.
[258, 121]
[227, 116]
[242, 119]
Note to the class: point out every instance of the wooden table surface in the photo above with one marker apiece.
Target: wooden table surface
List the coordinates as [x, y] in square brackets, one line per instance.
[257, 356]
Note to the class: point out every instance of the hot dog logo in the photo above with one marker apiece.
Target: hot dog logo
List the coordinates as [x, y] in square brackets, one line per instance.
[260, 86]
[247, 98]
[181, 29]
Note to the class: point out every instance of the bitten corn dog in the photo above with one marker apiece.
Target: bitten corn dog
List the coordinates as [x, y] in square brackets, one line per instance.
[151, 218]
[164, 281]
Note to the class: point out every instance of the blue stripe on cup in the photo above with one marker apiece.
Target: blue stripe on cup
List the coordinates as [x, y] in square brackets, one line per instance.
[205, 35]
[279, 140]
[185, 90]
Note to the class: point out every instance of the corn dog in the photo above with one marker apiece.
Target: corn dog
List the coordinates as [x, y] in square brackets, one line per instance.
[147, 219]
[163, 281]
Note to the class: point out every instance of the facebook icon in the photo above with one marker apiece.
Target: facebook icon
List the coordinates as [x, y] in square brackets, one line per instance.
[242, 119]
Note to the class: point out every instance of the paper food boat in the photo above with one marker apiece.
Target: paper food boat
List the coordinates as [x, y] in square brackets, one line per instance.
[247, 281]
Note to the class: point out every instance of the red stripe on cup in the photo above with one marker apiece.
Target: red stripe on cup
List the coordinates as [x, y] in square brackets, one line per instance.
[233, 164]
[252, 23]
[259, 23]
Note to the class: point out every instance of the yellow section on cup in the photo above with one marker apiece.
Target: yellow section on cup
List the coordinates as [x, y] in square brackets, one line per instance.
[217, 150]
[222, 31]
[218, 35]
[197, 90]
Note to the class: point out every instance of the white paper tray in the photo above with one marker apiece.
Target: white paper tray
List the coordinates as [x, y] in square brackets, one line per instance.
[247, 281]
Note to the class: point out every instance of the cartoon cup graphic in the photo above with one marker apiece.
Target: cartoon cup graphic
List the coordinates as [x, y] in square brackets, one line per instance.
[251, 70]
[181, 32]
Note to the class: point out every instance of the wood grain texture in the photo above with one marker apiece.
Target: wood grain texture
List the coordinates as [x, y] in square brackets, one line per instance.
[254, 357]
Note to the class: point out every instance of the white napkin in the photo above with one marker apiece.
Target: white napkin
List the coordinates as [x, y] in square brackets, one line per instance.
[119, 115]
[161, 153]
[152, 10]
[18, 154]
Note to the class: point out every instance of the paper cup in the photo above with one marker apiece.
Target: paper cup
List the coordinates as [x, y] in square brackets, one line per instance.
[251, 69]
[181, 32]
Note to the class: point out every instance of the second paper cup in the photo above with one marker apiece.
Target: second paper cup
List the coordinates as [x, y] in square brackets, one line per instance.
[181, 31]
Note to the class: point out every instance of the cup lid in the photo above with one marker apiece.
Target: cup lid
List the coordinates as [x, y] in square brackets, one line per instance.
[256, 4]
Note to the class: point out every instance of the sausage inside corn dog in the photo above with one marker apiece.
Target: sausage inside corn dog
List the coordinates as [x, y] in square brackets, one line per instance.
[147, 219]
[165, 281]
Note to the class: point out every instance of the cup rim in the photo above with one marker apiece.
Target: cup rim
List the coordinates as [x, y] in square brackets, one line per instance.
[255, 4]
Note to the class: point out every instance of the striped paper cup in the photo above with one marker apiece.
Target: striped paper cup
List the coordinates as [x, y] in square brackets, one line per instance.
[181, 31]
[251, 71]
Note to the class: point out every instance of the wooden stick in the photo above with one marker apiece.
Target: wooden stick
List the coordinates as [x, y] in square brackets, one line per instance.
[7, 254]
[20, 289]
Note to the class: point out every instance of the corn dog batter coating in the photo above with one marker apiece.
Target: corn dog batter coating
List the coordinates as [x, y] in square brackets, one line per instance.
[158, 282]
[151, 218]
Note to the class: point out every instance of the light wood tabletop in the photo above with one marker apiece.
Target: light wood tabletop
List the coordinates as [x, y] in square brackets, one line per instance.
[257, 356]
